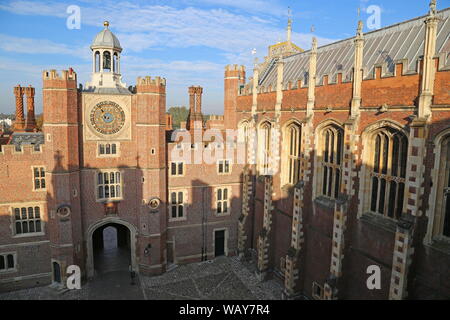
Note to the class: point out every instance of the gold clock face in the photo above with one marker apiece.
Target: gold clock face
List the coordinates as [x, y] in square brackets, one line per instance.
[107, 117]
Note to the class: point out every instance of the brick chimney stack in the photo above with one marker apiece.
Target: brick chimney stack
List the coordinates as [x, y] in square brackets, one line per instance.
[31, 120]
[195, 117]
[19, 124]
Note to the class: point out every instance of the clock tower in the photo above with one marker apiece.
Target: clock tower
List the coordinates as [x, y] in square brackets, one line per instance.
[123, 159]
[107, 102]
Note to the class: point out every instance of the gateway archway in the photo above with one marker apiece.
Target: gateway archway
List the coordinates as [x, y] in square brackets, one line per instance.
[111, 247]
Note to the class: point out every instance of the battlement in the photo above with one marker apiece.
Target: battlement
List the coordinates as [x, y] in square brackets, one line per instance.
[234, 67]
[67, 75]
[11, 151]
[216, 117]
[157, 81]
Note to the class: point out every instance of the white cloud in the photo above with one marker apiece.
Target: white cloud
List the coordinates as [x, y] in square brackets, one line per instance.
[143, 27]
[40, 46]
[268, 7]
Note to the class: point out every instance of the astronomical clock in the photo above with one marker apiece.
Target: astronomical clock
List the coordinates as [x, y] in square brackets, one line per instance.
[105, 119]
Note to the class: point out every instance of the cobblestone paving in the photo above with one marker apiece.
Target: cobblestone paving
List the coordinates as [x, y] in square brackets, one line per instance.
[222, 278]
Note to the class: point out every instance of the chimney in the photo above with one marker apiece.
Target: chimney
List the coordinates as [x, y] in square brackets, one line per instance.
[169, 122]
[31, 120]
[195, 117]
[19, 124]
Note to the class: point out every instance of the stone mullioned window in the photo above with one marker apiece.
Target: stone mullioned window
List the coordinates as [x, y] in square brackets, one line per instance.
[27, 220]
[7, 262]
[292, 153]
[223, 200]
[109, 185]
[388, 172]
[107, 149]
[39, 178]
[177, 205]
[332, 161]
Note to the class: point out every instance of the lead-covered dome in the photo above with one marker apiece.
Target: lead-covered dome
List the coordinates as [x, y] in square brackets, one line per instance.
[106, 38]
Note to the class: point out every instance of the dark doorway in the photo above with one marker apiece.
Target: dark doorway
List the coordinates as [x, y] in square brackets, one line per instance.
[56, 272]
[219, 243]
[170, 253]
[111, 244]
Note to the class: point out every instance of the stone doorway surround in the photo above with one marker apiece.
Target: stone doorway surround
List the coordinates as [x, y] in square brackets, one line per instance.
[90, 251]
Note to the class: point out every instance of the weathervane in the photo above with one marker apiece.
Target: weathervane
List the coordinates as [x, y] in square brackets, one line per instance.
[433, 7]
[360, 28]
[255, 59]
[289, 27]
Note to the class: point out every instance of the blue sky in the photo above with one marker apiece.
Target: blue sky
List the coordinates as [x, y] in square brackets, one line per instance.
[187, 42]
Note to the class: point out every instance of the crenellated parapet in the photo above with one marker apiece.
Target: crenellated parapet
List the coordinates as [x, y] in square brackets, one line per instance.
[234, 70]
[150, 85]
[67, 79]
[10, 152]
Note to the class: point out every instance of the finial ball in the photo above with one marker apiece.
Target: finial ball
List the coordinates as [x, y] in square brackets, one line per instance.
[106, 24]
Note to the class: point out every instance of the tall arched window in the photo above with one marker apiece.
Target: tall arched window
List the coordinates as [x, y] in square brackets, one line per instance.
[264, 148]
[387, 172]
[442, 211]
[243, 132]
[331, 144]
[292, 151]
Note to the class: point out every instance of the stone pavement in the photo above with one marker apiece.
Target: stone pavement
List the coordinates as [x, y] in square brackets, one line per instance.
[222, 278]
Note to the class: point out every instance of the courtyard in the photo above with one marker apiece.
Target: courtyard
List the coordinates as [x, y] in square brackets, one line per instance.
[224, 278]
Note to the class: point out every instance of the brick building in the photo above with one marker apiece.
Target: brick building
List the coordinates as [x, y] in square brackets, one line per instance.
[347, 148]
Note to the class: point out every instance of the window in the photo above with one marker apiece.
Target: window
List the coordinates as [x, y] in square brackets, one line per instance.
[222, 204]
[265, 150]
[446, 192]
[177, 210]
[442, 213]
[317, 291]
[27, 220]
[109, 185]
[330, 161]
[243, 132]
[224, 166]
[107, 149]
[387, 172]
[282, 264]
[7, 262]
[292, 153]
[176, 168]
[39, 178]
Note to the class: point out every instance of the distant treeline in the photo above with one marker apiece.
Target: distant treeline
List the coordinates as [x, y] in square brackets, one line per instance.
[7, 116]
[180, 114]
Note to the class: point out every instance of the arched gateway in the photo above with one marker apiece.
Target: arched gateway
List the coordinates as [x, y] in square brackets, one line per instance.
[113, 231]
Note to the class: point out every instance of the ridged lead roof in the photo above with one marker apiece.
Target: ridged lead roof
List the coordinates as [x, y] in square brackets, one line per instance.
[384, 46]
